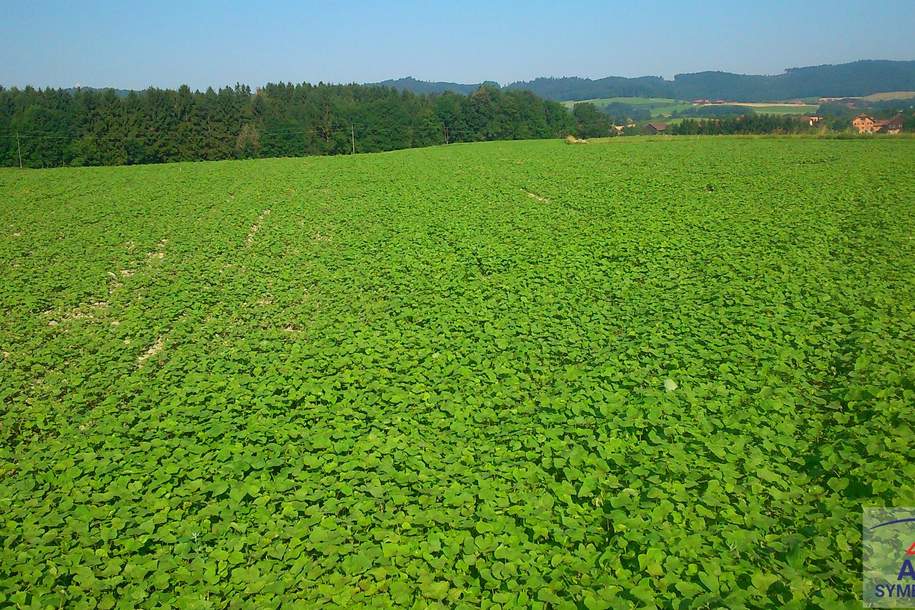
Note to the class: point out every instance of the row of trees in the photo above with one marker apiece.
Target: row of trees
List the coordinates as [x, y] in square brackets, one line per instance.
[54, 127]
[745, 124]
[775, 124]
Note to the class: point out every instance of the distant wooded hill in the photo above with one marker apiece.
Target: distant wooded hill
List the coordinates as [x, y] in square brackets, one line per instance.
[117, 92]
[842, 80]
[420, 86]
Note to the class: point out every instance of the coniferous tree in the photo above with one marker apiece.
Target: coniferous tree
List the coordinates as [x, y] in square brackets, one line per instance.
[103, 127]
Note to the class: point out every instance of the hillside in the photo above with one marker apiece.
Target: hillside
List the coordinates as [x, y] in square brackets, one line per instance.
[574, 88]
[857, 78]
[639, 373]
[853, 79]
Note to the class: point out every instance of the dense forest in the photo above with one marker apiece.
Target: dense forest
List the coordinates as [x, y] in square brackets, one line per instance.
[54, 127]
[841, 80]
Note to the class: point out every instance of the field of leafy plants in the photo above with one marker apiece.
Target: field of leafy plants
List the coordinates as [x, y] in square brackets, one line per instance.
[640, 373]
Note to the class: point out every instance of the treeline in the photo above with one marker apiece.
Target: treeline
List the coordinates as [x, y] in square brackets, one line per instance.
[621, 113]
[53, 127]
[743, 125]
[714, 111]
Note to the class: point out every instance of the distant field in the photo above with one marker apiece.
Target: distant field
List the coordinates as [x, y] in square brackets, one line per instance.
[632, 101]
[772, 108]
[635, 373]
[891, 95]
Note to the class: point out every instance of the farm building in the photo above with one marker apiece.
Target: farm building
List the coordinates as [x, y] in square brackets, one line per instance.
[891, 126]
[655, 128]
[811, 119]
[866, 124]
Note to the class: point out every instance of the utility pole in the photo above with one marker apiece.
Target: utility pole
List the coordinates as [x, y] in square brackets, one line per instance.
[354, 137]
[19, 149]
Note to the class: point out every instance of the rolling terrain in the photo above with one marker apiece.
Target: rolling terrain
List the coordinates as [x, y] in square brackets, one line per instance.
[853, 79]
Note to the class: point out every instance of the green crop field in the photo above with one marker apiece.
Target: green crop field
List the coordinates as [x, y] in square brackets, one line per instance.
[638, 373]
[889, 95]
[762, 108]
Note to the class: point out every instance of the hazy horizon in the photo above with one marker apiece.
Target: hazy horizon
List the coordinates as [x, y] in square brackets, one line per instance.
[206, 43]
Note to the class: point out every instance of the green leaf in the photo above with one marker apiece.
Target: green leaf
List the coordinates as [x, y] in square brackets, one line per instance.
[838, 484]
[401, 592]
[710, 581]
[763, 581]
[434, 590]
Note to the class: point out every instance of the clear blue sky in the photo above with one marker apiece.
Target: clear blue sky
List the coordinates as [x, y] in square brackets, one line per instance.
[164, 43]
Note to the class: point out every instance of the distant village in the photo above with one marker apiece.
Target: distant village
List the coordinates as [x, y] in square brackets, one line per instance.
[862, 123]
